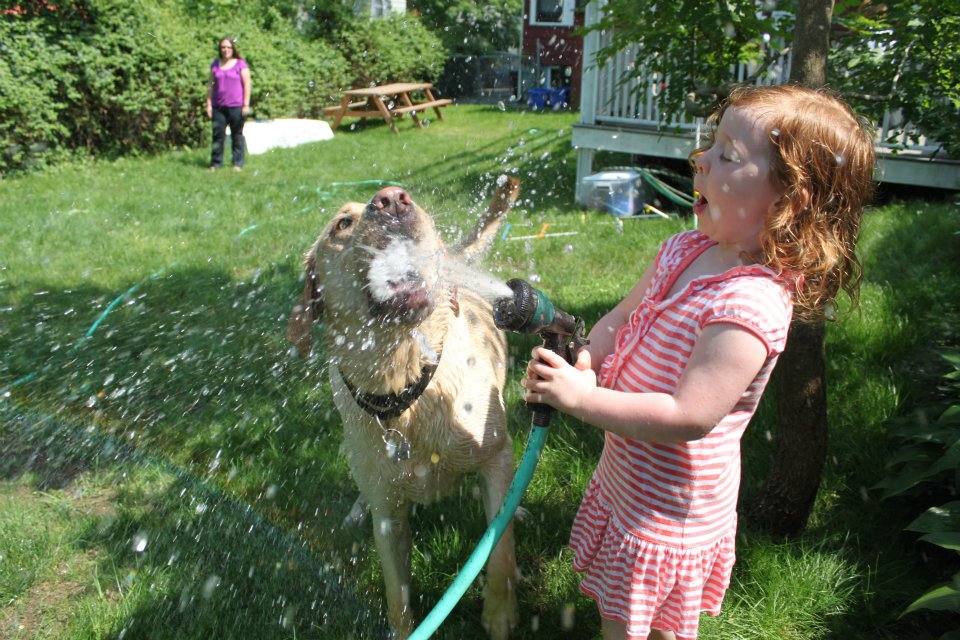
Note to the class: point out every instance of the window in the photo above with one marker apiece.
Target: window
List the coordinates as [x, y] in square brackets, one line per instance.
[554, 13]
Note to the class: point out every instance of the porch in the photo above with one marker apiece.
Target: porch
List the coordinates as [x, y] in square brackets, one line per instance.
[624, 118]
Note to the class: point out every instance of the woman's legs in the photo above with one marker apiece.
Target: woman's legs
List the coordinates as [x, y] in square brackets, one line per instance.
[219, 120]
[239, 145]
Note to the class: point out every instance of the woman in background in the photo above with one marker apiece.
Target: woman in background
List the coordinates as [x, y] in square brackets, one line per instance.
[228, 103]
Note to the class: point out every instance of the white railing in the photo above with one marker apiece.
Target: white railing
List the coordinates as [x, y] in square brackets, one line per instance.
[634, 102]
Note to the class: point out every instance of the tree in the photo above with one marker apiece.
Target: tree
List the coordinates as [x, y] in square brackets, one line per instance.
[472, 28]
[786, 499]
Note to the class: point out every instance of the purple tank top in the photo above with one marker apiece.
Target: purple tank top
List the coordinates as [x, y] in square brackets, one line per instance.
[227, 84]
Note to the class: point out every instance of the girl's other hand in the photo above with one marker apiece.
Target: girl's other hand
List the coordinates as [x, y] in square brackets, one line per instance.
[551, 380]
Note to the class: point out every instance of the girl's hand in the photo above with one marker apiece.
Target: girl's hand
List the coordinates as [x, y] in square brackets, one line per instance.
[551, 380]
[209, 111]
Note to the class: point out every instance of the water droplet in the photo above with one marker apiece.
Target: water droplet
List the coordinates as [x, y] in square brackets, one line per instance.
[210, 585]
[140, 542]
[567, 616]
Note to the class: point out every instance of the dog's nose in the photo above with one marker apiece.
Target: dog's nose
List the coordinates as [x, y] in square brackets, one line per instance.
[393, 201]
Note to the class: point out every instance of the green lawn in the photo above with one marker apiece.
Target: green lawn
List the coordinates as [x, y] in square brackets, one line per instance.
[169, 470]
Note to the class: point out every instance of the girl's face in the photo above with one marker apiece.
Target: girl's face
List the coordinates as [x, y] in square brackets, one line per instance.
[735, 182]
[226, 49]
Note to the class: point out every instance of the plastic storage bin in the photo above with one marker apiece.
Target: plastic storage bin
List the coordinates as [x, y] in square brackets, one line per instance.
[620, 192]
[538, 98]
[560, 98]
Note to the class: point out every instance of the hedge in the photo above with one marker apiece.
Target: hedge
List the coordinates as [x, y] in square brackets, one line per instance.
[106, 78]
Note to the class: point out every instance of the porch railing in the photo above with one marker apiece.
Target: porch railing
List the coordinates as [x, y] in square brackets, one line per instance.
[622, 93]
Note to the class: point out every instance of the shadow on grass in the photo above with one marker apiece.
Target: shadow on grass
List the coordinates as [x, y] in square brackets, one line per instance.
[189, 560]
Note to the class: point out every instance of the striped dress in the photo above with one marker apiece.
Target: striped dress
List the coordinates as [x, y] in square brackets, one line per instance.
[654, 535]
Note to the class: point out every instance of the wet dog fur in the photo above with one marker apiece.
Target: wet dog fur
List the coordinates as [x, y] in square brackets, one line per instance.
[374, 277]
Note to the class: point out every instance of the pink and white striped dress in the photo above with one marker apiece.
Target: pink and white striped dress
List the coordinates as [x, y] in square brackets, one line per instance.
[654, 535]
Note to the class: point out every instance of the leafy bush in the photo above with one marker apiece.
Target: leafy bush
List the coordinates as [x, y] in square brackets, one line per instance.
[473, 28]
[393, 49]
[929, 460]
[120, 77]
[292, 76]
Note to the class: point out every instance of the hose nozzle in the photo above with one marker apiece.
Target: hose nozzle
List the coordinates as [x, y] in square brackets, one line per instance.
[530, 311]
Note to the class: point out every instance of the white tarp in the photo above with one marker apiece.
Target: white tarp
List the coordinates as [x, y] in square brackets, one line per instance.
[263, 135]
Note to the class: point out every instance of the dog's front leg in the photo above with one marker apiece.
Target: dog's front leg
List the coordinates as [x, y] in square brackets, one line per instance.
[391, 531]
[500, 613]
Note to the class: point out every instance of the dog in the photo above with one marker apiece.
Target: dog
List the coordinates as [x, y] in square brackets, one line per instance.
[417, 369]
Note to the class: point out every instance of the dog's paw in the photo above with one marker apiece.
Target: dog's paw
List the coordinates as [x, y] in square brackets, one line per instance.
[500, 613]
[521, 514]
[358, 514]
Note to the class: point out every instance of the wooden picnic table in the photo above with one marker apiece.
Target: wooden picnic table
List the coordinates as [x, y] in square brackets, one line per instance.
[368, 102]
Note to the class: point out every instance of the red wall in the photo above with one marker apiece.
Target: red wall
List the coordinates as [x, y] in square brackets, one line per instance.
[558, 46]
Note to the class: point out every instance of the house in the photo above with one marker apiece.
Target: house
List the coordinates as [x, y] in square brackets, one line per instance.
[379, 8]
[624, 118]
[549, 40]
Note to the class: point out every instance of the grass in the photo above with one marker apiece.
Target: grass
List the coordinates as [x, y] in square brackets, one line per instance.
[174, 473]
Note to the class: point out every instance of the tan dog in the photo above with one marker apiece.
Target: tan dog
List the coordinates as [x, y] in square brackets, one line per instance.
[417, 370]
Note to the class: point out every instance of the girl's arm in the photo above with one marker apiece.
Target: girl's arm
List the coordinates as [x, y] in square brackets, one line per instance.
[725, 360]
[604, 333]
[245, 77]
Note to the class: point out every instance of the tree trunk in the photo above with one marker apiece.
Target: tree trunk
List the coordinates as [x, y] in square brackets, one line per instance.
[784, 503]
[786, 499]
[811, 42]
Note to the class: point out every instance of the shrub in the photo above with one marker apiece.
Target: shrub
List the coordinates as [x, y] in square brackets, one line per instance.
[393, 49]
[292, 76]
[121, 77]
[929, 463]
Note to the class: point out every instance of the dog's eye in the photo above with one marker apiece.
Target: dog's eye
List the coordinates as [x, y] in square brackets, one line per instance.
[344, 224]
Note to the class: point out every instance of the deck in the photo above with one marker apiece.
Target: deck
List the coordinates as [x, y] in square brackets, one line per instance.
[621, 118]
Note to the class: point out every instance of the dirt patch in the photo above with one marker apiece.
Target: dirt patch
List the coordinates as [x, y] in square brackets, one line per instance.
[45, 609]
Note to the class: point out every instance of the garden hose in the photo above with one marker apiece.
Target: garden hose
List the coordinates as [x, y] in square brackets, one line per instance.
[439, 613]
[655, 178]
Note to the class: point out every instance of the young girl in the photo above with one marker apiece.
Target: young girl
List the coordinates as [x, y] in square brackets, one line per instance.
[674, 373]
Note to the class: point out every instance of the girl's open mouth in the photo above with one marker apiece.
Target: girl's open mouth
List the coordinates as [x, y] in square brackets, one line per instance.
[700, 205]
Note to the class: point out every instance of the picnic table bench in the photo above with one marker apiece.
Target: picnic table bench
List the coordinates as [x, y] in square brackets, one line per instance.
[371, 103]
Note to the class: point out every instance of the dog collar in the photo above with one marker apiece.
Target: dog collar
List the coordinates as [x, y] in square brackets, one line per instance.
[391, 405]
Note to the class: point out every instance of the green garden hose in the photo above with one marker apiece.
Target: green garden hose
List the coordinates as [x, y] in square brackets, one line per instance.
[531, 456]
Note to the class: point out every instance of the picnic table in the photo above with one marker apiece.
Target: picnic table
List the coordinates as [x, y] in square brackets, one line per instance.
[369, 102]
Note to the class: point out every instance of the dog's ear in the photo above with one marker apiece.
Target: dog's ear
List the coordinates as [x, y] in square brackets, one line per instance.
[481, 237]
[309, 307]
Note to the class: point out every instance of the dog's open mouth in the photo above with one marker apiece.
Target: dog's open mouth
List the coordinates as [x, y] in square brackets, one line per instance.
[396, 287]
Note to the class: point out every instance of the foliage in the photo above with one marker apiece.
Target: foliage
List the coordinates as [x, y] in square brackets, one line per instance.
[391, 49]
[111, 78]
[292, 76]
[690, 47]
[471, 28]
[907, 57]
[883, 55]
[115, 79]
[930, 460]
